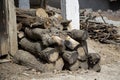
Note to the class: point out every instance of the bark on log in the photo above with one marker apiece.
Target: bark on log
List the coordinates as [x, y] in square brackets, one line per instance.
[30, 21]
[74, 66]
[84, 65]
[45, 35]
[32, 12]
[96, 68]
[93, 59]
[26, 59]
[60, 43]
[35, 33]
[71, 43]
[78, 34]
[70, 57]
[32, 47]
[49, 54]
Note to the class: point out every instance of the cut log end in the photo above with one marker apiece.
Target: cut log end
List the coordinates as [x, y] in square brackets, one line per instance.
[53, 57]
[49, 54]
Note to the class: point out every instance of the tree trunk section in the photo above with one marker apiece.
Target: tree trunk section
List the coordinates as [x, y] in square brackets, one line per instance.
[26, 59]
[70, 57]
[49, 54]
[32, 47]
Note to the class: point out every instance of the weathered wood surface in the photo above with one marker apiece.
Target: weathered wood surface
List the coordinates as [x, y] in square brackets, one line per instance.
[12, 30]
[70, 57]
[8, 28]
[49, 54]
[32, 12]
[3, 29]
[26, 59]
[30, 46]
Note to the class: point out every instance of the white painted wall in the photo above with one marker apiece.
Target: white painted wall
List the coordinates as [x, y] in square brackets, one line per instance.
[70, 11]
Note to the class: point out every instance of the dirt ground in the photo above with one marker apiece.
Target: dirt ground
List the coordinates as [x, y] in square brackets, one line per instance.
[110, 61]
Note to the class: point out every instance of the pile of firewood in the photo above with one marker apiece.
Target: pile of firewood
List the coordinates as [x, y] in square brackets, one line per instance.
[46, 45]
[102, 32]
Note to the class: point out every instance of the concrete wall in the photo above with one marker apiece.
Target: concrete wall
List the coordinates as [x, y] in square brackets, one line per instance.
[94, 4]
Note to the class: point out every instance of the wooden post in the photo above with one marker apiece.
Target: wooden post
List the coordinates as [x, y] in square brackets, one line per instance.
[24, 4]
[70, 11]
[3, 29]
[12, 29]
[8, 29]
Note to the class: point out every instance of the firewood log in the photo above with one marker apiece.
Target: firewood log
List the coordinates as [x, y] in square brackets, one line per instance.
[60, 43]
[49, 54]
[59, 64]
[78, 34]
[70, 57]
[93, 59]
[35, 33]
[84, 64]
[26, 59]
[96, 68]
[81, 54]
[31, 21]
[32, 12]
[74, 66]
[33, 47]
[71, 43]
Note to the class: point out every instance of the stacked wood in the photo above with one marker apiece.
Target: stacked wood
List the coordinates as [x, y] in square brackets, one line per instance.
[102, 32]
[46, 44]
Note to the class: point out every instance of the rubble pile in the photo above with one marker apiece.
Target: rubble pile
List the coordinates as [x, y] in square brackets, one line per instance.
[102, 32]
[46, 44]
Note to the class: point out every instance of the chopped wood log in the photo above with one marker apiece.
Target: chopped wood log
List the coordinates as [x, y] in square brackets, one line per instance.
[71, 43]
[78, 34]
[59, 64]
[93, 59]
[84, 65]
[49, 54]
[21, 35]
[33, 47]
[32, 12]
[96, 68]
[81, 54]
[55, 21]
[70, 57]
[35, 33]
[26, 59]
[31, 21]
[60, 43]
[74, 66]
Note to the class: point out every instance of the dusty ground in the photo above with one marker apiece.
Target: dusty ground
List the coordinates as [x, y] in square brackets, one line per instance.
[110, 55]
